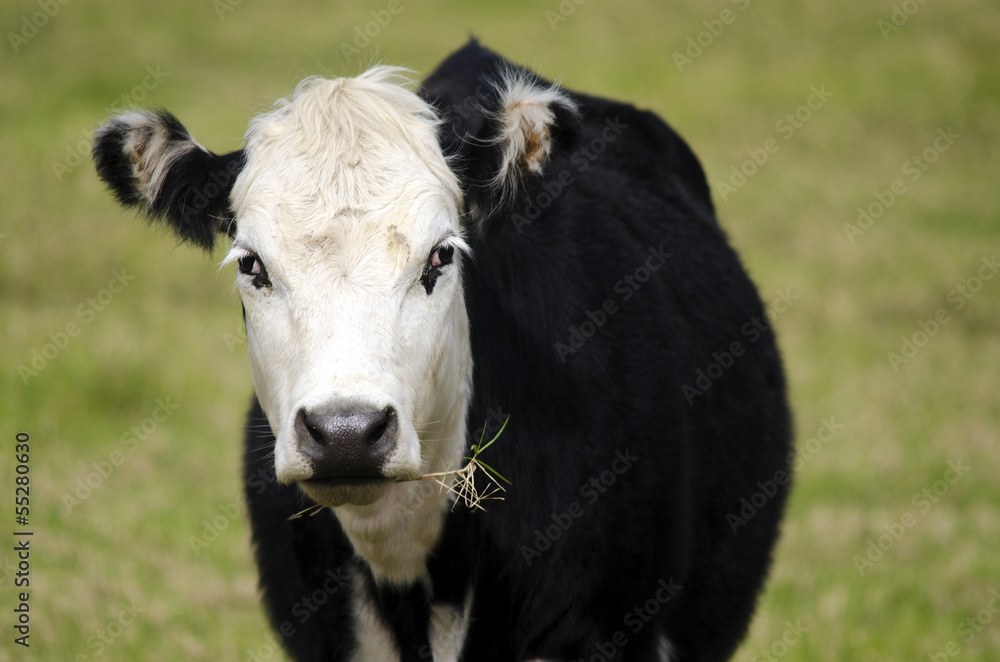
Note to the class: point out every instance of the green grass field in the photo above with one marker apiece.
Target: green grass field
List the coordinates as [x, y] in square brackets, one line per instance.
[124, 361]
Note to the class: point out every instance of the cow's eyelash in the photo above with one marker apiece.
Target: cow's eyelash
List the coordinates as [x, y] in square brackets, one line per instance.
[235, 254]
[454, 242]
[249, 264]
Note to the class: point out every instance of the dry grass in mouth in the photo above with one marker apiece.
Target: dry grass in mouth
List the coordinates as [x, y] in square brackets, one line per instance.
[463, 484]
[460, 482]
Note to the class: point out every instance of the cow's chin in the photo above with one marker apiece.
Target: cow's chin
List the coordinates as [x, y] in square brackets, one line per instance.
[332, 492]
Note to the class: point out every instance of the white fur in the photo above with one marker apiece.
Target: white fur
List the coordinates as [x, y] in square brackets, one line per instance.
[526, 118]
[448, 630]
[344, 195]
[375, 641]
[665, 649]
[150, 149]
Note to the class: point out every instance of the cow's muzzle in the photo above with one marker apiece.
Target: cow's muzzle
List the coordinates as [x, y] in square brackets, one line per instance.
[347, 445]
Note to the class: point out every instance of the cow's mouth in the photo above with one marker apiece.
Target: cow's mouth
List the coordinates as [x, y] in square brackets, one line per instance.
[339, 490]
[344, 481]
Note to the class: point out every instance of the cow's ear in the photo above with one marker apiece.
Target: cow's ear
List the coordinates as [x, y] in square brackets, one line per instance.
[524, 120]
[151, 162]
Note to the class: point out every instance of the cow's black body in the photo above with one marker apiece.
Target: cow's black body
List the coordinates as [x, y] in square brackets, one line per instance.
[573, 415]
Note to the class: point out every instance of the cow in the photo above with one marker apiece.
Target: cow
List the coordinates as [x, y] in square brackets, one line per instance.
[489, 257]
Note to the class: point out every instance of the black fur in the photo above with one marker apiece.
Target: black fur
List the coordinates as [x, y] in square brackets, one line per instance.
[665, 517]
[194, 197]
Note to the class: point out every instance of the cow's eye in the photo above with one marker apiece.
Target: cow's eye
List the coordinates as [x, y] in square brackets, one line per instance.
[251, 265]
[442, 255]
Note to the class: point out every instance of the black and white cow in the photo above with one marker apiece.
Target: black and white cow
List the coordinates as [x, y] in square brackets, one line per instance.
[418, 267]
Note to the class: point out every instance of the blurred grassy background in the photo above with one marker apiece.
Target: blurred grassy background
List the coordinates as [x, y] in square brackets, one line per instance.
[173, 334]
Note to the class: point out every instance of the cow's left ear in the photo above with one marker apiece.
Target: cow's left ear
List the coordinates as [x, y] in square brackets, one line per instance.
[525, 120]
[151, 162]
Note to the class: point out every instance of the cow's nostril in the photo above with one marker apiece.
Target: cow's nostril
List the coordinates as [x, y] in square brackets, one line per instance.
[378, 427]
[315, 432]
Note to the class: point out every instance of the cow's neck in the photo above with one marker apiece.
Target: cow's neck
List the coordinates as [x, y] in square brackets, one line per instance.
[396, 534]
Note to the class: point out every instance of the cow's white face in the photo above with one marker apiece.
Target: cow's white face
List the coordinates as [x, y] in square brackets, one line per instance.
[349, 250]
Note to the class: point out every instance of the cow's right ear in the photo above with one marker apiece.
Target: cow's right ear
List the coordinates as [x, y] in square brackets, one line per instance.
[525, 119]
[151, 162]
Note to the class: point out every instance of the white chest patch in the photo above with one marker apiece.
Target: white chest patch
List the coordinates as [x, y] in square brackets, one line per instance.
[375, 641]
[448, 629]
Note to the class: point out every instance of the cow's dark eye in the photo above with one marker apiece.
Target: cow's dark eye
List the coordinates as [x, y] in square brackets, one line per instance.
[442, 255]
[439, 258]
[252, 266]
